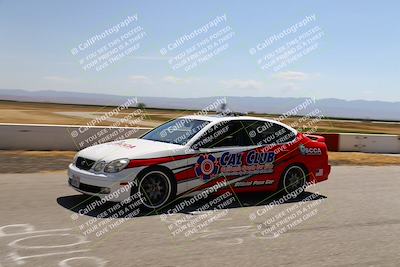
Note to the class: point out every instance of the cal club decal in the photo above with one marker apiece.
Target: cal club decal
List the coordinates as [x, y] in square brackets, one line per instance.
[249, 162]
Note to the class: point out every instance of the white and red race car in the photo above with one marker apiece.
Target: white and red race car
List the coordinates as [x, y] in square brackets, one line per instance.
[190, 154]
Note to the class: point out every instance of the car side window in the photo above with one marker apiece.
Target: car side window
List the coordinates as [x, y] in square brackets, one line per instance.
[224, 134]
[268, 133]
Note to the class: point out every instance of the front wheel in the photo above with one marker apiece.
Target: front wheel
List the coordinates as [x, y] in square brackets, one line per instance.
[293, 178]
[155, 188]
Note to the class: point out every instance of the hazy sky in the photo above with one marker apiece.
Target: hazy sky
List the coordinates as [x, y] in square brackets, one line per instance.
[354, 53]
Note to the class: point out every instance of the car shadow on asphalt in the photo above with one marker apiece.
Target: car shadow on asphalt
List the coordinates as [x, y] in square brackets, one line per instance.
[93, 207]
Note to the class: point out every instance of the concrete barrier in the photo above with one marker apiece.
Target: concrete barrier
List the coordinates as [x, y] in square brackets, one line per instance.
[356, 142]
[76, 137]
[60, 137]
[376, 143]
[349, 143]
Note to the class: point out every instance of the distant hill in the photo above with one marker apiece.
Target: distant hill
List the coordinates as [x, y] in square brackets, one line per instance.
[330, 107]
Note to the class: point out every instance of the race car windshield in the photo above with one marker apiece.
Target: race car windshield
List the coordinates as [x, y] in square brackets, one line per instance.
[178, 131]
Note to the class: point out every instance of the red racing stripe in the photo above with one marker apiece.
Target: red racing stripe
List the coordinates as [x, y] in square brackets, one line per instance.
[185, 175]
[154, 161]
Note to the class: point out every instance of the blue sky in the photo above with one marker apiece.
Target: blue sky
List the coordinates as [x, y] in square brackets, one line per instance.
[357, 57]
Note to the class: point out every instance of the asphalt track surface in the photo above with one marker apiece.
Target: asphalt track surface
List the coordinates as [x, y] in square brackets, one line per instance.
[351, 219]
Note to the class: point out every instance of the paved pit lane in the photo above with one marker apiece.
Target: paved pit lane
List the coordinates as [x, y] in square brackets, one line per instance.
[351, 219]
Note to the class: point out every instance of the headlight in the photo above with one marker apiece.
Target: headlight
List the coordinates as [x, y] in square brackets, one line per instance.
[99, 166]
[116, 165]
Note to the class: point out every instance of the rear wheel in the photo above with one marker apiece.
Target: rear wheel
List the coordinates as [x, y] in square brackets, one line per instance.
[155, 188]
[293, 178]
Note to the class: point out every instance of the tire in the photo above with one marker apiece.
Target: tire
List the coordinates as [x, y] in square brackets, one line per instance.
[293, 178]
[156, 188]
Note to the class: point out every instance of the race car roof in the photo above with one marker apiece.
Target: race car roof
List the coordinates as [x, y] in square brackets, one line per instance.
[214, 118]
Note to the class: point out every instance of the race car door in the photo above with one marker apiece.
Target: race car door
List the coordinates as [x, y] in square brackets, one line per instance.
[221, 153]
[274, 141]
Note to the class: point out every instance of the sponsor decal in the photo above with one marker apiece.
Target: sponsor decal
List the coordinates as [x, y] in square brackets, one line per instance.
[310, 151]
[319, 172]
[206, 167]
[121, 144]
[253, 183]
[249, 162]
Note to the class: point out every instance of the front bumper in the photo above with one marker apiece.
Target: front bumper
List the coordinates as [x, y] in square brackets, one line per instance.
[110, 186]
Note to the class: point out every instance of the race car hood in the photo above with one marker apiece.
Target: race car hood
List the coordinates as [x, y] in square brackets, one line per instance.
[129, 148]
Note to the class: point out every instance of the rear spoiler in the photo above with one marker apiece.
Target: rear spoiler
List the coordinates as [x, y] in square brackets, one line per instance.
[317, 138]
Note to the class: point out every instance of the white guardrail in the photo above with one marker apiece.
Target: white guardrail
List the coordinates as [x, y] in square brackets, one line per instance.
[76, 137]
[61, 137]
[375, 143]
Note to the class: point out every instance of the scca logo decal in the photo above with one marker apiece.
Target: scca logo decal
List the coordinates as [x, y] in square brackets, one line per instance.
[310, 151]
[206, 167]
